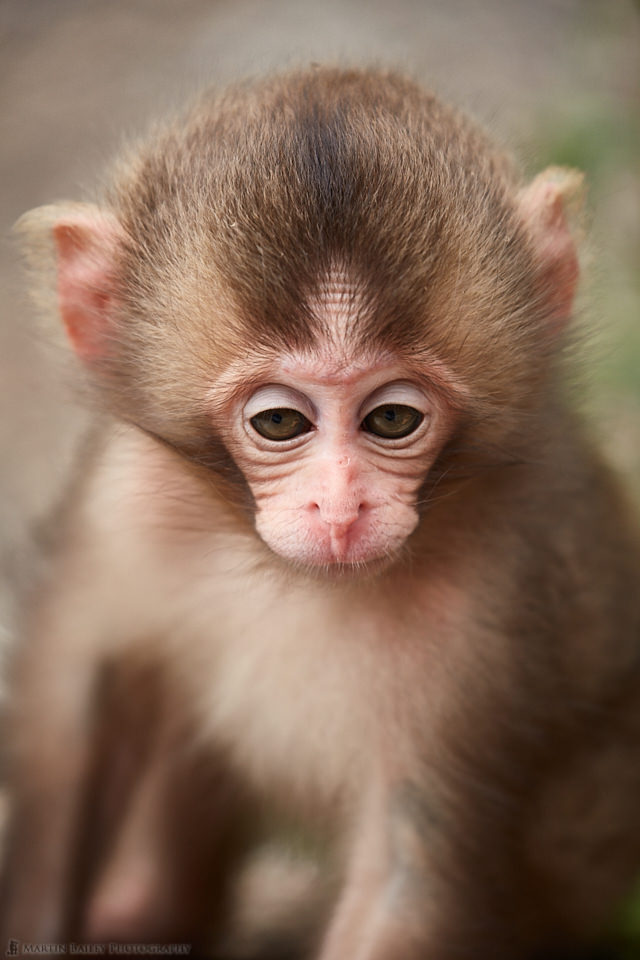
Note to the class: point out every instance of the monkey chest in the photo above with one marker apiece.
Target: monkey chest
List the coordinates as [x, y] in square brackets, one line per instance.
[308, 697]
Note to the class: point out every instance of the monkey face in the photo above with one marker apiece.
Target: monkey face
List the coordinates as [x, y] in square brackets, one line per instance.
[334, 450]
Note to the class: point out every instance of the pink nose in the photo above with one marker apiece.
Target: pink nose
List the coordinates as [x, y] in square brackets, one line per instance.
[338, 519]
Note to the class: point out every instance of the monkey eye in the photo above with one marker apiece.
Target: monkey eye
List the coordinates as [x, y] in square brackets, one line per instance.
[280, 424]
[393, 421]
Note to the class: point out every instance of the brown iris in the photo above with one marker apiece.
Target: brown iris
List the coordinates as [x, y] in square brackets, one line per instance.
[393, 421]
[280, 423]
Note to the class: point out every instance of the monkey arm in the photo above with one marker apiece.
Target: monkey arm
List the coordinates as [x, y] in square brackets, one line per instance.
[48, 766]
[54, 726]
[114, 825]
[384, 910]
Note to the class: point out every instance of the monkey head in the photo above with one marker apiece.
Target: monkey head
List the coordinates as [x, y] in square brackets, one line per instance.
[333, 283]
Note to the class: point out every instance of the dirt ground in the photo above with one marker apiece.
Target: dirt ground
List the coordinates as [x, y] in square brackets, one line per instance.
[77, 75]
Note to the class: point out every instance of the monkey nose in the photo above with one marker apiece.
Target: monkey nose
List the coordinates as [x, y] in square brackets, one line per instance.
[339, 520]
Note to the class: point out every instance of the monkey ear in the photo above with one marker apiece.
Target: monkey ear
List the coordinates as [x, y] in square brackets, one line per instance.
[86, 240]
[548, 207]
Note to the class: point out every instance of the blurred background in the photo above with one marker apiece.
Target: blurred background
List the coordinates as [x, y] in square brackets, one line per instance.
[558, 81]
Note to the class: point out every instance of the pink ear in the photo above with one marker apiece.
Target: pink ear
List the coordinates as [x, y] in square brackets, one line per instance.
[543, 206]
[86, 243]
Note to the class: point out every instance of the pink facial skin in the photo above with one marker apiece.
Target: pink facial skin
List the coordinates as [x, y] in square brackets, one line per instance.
[338, 493]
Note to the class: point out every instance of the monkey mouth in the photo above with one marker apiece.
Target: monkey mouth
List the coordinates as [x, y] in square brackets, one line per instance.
[324, 564]
[346, 546]
[345, 554]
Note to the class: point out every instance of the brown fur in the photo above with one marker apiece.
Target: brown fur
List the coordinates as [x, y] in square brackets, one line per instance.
[464, 721]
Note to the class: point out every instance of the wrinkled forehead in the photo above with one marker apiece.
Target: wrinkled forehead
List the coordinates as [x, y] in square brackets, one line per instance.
[334, 349]
[332, 315]
[338, 308]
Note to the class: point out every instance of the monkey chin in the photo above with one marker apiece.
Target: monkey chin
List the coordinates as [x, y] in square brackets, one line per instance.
[327, 566]
[345, 571]
[340, 571]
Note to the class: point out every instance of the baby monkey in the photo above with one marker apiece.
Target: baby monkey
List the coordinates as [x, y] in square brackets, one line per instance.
[338, 549]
